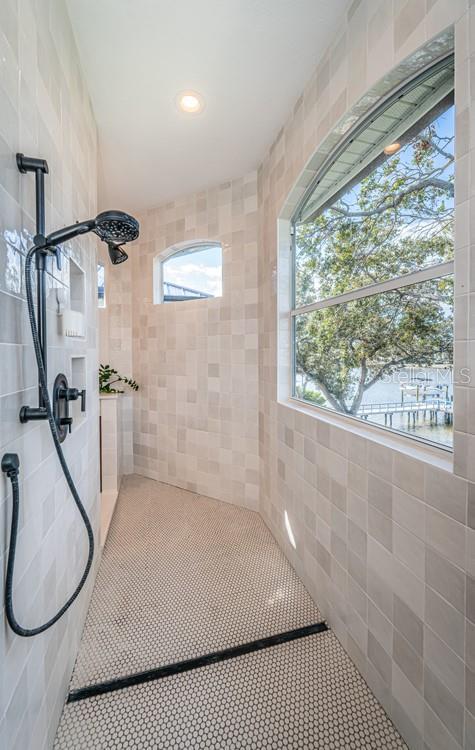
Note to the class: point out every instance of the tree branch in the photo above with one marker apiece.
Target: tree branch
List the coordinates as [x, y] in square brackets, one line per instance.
[361, 388]
[338, 404]
[420, 185]
[446, 154]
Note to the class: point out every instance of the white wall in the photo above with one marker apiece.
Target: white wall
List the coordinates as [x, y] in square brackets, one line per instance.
[44, 112]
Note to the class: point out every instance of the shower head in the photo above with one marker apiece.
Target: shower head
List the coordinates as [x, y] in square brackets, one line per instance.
[116, 227]
[113, 227]
[116, 254]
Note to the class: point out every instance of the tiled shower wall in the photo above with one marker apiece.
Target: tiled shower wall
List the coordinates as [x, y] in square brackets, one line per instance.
[195, 415]
[45, 112]
[385, 533]
[115, 346]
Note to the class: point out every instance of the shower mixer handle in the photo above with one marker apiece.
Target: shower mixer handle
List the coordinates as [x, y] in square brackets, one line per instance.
[72, 394]
[62, 396]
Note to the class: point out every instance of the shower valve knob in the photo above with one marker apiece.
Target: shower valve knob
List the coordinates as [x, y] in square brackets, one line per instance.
[72, 394]
[69, 394]
[81, 395]
[66, 422]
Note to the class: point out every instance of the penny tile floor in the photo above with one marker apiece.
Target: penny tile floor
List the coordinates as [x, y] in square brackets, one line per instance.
[182, 575]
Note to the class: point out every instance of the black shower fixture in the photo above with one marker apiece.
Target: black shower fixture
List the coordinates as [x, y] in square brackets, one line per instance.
[116, 254]
[115, 228]
[110, 226]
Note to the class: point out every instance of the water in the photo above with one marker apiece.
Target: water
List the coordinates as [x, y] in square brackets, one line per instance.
[392, 391]
[389, 391]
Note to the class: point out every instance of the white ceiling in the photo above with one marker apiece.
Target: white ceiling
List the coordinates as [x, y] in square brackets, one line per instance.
[249, 59]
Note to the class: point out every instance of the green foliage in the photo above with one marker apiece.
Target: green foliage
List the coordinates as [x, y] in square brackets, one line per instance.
[307, 394]
[108, 377]
[397, 219]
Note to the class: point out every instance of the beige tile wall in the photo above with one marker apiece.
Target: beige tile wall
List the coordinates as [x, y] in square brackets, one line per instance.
[196, 413]
[115, 346]
[385, 538]
[44, 111]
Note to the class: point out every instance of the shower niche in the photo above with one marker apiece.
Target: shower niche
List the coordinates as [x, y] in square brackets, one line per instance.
[72, 319]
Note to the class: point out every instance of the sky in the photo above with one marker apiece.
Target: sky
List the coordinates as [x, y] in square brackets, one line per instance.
[200, 270]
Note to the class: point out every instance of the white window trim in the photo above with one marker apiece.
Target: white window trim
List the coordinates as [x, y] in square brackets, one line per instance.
[429, 449]
[430, 453]
[180, 248]
[104, 305]
[435, 271]
[287, 230]
[435, 454]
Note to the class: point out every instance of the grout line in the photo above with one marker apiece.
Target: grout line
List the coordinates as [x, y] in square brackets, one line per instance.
[149, 675]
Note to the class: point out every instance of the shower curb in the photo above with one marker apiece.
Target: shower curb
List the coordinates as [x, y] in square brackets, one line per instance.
[158, 673]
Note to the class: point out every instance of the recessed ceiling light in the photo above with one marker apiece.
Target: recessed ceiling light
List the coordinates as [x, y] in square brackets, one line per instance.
[190, 102]
[392, 149]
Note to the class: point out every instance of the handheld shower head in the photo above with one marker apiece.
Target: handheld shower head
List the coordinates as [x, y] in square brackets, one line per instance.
[116, 254]
[113, 227]
[116, 227]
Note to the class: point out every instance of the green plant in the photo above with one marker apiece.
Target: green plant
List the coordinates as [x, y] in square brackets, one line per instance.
[307, 394]
[108, 377]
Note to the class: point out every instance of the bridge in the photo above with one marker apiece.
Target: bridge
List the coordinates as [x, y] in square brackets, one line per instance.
[177, 293]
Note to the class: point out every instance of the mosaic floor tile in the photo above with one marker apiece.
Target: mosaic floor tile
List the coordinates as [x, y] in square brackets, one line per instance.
[301, 695]
[182, 575]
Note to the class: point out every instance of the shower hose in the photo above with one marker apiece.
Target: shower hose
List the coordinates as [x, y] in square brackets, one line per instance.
[12, 472]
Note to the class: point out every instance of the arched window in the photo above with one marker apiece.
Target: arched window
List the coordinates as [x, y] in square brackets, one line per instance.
[189, 271]
[373, 244]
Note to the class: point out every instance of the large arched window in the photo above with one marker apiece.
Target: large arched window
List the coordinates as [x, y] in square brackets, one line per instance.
[373, 244]
[191, 270]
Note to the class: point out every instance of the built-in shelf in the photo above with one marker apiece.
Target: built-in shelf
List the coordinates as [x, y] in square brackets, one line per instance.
[110, 478]
[72, 320]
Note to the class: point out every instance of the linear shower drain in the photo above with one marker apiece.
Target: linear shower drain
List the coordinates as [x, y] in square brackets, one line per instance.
[149, 675]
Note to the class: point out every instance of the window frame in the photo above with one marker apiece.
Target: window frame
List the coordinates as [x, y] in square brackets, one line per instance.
[188, 247]
[104, 301]
[434, 271]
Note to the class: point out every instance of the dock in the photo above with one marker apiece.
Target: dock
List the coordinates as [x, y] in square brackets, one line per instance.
[431, 409]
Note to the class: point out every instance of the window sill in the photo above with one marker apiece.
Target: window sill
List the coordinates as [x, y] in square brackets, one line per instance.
[438, 456]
